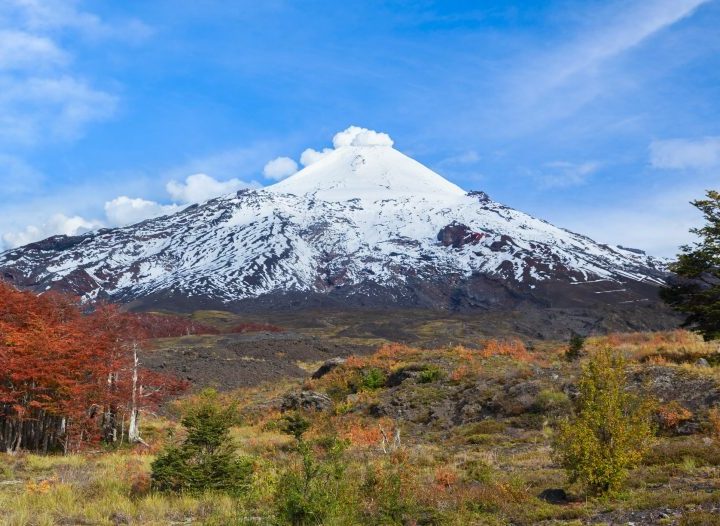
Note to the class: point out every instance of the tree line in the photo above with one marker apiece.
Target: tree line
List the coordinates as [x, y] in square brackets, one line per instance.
[70, 378]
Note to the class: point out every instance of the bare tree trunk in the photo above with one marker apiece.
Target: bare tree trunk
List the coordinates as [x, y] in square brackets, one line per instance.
[133, 427]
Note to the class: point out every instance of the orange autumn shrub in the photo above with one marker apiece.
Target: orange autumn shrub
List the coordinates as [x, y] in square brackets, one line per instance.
[460, 373]
[673, 414]
[445, 477]
[395, 352]
[513, 348]
[40, 487]
[136, 477]
[363, 432]
[657, 360]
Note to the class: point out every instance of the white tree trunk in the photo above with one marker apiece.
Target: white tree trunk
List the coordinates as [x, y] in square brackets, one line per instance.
[134, 427]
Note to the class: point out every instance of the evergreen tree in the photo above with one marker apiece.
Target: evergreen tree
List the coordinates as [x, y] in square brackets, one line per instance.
[696, 289]
[206, 460]
[575, 346]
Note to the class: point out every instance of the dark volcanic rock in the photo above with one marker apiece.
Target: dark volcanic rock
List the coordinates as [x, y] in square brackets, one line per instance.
[694, 391]
[406, 373]
[554, 496]
[457, 235]
[306, 400]
[327, 367]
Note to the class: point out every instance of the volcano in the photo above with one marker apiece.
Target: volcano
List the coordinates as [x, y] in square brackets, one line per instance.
[364, 226]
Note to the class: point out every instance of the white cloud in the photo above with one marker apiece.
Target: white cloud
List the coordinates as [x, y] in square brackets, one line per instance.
[41, 98]
[57, 224]
[125, 210]
[280, 168]
[564, 174]
[42, 107]
[225, 164]
[119, 211]
[310, 156]
[356, 136]
[22, 50]
[686, 154]
[56, 15]
[351, 136]
[201, 187]
[658, 222]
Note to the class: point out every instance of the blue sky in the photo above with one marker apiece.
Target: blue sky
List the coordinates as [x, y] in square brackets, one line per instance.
[600, 116]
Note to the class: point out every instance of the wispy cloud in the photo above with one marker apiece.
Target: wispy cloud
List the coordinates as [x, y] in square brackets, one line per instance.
[23, 50]
[565, 75]
[38, 109]
[629, 28]
[658, 221]
[42, 97]
[56, 15]
[558, 174]
[460, 159]
[625, 27]
[686, 154]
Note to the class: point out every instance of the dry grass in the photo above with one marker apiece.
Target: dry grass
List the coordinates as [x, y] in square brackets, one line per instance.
[677, 346]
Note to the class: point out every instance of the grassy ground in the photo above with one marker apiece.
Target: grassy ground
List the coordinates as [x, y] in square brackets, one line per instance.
[474, 446]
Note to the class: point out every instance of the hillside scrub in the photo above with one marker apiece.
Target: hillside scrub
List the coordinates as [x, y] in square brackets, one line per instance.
[472, 447]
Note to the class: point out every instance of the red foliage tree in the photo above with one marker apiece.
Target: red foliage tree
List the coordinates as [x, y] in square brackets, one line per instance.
[68, 378]
[169, 326]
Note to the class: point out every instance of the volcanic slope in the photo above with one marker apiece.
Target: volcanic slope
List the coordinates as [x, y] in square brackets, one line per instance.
[365, 226]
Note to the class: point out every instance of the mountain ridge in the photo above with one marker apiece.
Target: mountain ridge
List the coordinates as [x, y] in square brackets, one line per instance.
[363, 226]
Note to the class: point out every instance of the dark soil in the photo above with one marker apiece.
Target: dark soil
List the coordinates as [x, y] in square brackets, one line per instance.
[230, 361]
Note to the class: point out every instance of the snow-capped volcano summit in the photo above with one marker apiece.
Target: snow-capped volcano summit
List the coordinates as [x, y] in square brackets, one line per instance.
[364, 225]
[370, 173]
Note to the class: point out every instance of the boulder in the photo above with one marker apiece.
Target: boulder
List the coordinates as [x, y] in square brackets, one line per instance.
[306, 400]
[702, 362]
[328, 366]
[411, 371]
[554, 496]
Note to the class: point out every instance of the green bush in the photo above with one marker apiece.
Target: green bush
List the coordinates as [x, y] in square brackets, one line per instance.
[488, 426]
[295, 424]
[431, 373]
[478, 471]
[575, 347]
[373, 378]
[206, 460]
[552, 403]
[313, 492]
[391, 503]
[610, 431]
